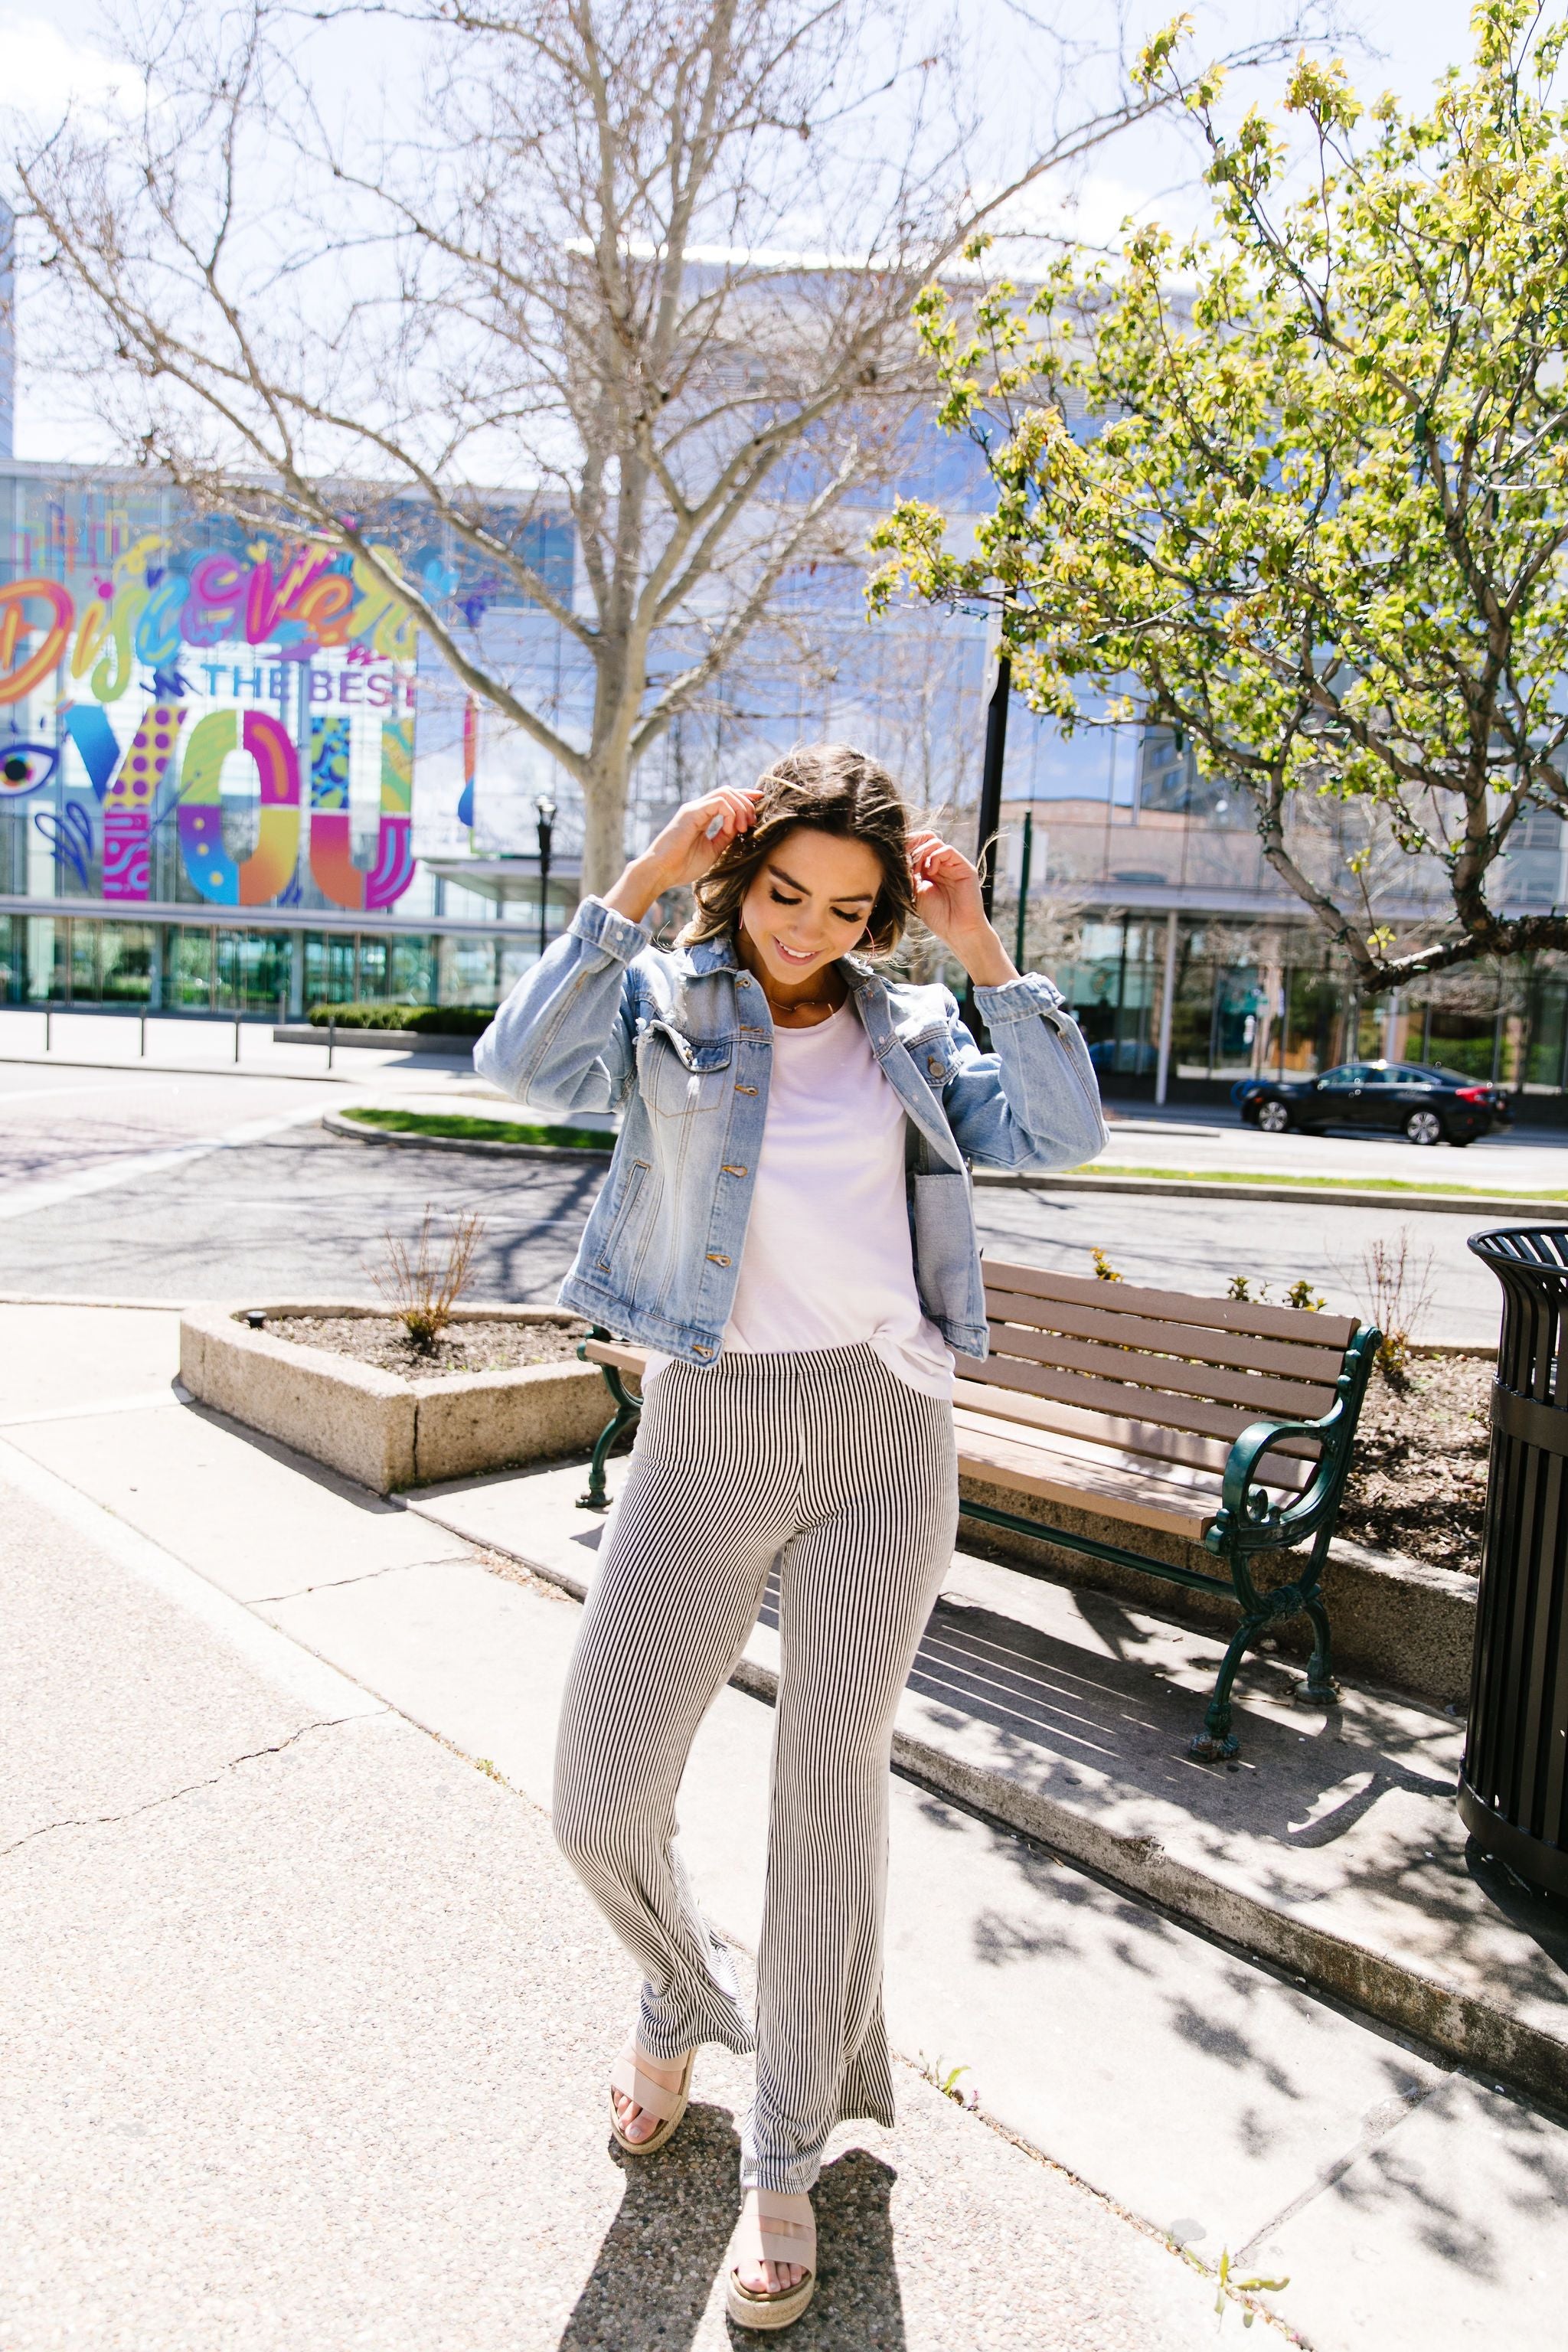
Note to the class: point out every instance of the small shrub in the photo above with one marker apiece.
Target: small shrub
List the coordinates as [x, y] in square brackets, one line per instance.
[423, 1282]
[1253, 1293]
[1104, 1270]
[1399, 1286]
[945, 2079]
[424, 1020]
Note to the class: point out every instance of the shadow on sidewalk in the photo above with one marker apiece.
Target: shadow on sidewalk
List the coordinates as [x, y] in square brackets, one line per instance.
[666, 2247]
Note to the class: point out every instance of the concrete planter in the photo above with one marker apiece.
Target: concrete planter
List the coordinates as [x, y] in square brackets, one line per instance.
[387, 1041]
[376, 1427]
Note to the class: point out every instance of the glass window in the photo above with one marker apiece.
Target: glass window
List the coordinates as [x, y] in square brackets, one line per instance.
[329, 967]
[1350, 1074]
[253, 972]
[188, 969]
[127, 952]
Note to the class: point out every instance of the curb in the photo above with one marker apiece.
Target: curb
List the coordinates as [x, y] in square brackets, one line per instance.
[337, 1124]
[191, 1069]
[1482, 1204]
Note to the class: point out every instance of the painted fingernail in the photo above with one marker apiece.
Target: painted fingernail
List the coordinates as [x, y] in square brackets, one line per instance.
[716, 828]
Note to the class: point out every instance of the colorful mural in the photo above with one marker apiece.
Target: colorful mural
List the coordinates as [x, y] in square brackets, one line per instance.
[296, 661]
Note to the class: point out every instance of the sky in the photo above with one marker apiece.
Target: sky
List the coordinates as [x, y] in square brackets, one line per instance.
[59, 55]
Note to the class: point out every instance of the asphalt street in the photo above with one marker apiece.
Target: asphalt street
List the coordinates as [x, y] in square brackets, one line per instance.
[188, 1185]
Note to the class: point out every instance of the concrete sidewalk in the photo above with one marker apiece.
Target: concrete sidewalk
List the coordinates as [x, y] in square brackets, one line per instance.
[338, 2114]
[306, 2029]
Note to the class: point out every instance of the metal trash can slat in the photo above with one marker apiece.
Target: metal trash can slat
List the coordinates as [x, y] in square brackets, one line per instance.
[1513, 1783]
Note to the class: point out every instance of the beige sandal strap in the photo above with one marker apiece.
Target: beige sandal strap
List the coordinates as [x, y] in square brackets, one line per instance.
[780, 2229]
[645, 2091]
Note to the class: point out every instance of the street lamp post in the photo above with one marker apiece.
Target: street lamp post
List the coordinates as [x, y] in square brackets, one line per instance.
[546, 820]
[991, 803]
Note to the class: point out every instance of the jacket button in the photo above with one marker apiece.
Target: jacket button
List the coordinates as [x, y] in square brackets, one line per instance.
[933, 1065]
[746, 1090]
[727, 1170]
[716, 1257]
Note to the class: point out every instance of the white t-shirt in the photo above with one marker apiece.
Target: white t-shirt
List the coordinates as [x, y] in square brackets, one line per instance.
[828, 1260]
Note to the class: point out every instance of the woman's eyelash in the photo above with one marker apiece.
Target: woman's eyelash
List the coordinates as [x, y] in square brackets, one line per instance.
[844, 914]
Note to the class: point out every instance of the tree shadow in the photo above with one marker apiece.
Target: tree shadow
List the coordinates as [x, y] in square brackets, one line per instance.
[655, 2269]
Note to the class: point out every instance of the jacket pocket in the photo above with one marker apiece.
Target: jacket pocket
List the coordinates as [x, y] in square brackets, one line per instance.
[677, 1075]
[632, 1189]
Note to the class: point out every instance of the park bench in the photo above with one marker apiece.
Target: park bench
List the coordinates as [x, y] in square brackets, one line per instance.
[1219, 1421]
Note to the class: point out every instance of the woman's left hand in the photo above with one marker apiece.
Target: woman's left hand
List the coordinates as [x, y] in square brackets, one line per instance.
[948, 902]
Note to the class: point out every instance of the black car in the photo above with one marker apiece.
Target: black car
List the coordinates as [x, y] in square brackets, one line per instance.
[1428, 1104]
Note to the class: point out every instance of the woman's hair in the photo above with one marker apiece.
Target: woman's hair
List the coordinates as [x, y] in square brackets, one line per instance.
[831, 788]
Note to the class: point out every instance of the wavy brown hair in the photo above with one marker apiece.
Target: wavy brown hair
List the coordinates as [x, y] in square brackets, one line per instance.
[831, 788]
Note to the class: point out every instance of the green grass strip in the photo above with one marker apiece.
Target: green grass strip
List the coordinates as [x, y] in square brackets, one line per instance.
[1393, 1184]
[482, 1130]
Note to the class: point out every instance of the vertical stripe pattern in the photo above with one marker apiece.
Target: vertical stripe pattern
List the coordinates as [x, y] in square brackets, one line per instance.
[826, 1463]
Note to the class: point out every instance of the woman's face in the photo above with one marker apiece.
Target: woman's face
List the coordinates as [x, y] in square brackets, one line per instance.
[808, 903]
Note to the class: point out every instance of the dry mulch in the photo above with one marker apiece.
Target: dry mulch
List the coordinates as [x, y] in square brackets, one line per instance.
[469, 1347]
[1417, 1482]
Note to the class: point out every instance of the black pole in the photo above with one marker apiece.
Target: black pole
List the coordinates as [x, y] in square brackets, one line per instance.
[991, 778]
[546, 818]
[991, 805]
[1024, 862]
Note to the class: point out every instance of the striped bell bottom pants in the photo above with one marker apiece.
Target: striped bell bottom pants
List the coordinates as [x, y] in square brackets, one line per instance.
[828, 1465]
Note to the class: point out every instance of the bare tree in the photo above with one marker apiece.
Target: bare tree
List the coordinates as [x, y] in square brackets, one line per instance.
[646, 266]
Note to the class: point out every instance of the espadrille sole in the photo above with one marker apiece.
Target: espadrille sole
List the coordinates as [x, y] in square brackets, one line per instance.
[761, 2311]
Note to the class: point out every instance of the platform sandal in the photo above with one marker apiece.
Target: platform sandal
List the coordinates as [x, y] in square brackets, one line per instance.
[655, 2098]
[773, 2228]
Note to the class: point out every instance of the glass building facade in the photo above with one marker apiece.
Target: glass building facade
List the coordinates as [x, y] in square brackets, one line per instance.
[234, 779]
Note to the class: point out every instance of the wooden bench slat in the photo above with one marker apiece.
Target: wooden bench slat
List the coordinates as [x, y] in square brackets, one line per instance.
[1181, 1483]
[1120, 1434]
[1215, 1384]
[616, 1352]
[1074, 1388]
[1173, 1306]
[1243, 1349]
[1108, 1486]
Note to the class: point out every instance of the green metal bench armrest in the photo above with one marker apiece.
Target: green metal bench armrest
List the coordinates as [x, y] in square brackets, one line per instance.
[1247, 1520]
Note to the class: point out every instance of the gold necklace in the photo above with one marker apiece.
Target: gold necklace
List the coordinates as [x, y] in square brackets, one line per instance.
[784, 1006]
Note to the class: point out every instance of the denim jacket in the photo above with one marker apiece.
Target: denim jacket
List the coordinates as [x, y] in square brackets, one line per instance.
[681, 1039]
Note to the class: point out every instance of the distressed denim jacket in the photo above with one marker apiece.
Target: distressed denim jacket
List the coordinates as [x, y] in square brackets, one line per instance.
[682, 1040]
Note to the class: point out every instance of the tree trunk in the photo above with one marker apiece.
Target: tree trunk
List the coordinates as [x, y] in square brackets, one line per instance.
[605, 791]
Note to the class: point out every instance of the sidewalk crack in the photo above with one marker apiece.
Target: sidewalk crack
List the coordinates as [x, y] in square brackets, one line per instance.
[104, 1820]
[365, 1575]
[1381, 2126]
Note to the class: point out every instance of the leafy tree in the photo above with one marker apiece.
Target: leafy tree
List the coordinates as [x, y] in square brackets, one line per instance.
[1318, 521]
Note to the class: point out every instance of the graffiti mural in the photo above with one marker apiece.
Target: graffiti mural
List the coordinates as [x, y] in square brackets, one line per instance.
[283, 681]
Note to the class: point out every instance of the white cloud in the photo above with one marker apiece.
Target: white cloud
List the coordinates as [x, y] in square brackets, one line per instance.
[50, 62]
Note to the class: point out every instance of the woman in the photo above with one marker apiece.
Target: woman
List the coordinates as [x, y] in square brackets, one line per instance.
[787, 1225]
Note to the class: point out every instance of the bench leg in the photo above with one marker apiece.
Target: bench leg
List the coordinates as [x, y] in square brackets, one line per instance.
[1216, 1743]
[627, 1409]
[1320, 1689]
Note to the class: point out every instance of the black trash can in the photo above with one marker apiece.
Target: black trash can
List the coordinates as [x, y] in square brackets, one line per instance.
[1513, 1784]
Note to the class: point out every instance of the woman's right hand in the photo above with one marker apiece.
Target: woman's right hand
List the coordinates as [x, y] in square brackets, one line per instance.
[696, 836]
